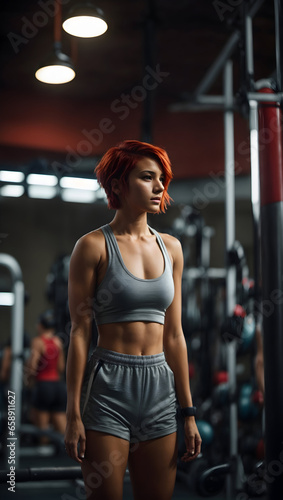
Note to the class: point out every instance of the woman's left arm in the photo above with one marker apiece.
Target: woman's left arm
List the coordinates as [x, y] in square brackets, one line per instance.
[175, 349]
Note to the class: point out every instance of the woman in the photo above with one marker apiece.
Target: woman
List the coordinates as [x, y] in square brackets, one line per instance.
[121, 406]
[45, 367]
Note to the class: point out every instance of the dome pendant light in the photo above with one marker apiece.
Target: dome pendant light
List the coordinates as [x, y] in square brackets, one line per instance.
[57, 68]
[85, 20]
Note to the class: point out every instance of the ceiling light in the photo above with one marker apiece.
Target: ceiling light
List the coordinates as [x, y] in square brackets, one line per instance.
[12, 190]
[11, 176]
[78, 195]
[42, 192]
[79, 183]
[57, 68]
[85, 21]
[42, 180]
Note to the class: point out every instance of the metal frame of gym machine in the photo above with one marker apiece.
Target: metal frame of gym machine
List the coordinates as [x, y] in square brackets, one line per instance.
[272, 249]
[17, 344]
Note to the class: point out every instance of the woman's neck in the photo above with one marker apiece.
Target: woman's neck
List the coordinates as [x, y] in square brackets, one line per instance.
[123, 223]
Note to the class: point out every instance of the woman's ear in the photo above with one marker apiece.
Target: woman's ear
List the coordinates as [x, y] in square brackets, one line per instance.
[115, 186]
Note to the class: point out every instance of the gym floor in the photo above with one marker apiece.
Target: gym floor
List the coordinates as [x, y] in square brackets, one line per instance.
[73, 490]
[67, 490]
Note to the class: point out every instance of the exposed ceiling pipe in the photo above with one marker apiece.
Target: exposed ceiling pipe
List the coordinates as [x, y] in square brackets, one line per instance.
[149, 61]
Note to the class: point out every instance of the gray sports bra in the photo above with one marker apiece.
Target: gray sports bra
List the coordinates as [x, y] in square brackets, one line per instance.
[121, 296]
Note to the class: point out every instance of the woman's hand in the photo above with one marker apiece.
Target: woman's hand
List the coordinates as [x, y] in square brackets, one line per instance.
[192, 440]
[75, 439]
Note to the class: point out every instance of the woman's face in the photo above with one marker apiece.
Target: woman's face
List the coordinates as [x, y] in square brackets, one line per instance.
[145, 187]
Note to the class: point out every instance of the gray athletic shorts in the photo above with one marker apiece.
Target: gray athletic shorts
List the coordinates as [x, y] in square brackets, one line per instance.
[131, 397]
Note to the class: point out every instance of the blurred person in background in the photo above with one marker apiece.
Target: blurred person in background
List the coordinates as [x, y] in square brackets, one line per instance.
[45, 368]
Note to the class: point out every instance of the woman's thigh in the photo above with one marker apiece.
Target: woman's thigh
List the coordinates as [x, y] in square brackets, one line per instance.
[152, 466]
[104, 466]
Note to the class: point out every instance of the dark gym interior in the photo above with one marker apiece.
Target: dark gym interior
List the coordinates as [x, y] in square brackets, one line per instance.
[203, 80]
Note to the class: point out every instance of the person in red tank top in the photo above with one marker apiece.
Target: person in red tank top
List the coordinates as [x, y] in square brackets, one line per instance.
[46, 366]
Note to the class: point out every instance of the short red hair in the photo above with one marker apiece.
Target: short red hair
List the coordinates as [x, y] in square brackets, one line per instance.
[118, 162]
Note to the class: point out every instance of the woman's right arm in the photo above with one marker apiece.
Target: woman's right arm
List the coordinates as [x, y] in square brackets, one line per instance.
[82, 279]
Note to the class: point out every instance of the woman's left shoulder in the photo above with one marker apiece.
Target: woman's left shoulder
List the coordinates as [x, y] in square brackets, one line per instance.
[172, 244]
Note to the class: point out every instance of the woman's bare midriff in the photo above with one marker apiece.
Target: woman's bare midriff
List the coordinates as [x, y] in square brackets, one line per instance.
[136, 338]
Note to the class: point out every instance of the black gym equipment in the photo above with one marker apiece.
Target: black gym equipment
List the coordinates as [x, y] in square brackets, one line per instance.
[43, 474]
[57, 293]
[31, 433]
[212, 480]
[199, 297]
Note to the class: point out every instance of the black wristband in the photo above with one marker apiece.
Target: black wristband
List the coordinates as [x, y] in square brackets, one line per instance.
[190, 411]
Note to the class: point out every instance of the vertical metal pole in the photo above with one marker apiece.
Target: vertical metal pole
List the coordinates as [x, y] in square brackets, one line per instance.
[17, 344]
[231, 270]
[255, 197]
[249, 49]
[254, 156]
[271, 197]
